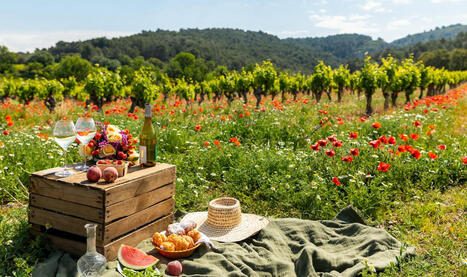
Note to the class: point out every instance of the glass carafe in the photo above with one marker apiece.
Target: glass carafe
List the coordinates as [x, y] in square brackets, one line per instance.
[92, 263]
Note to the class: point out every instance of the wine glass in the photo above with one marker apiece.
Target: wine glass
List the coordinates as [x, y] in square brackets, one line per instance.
[64, 135]
[86, 130]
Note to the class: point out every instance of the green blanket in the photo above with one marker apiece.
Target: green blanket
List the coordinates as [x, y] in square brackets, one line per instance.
[286, 247]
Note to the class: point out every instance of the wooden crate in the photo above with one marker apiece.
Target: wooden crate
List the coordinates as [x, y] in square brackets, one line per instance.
[126, 212]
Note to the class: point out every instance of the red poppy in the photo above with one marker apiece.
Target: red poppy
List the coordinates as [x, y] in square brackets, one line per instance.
[237, 143]
[415, 153]
[223, 118]
[432, 127]
[374, 143]
[414, 136]
[383, 139]
[315, 147]
[354, 151]
[330, 152]
[8, 118]
[441, 147]
[363, 118]
[417, 123]
[197, 128]
[216, 142]
[347, 159]
[464, 160]
[404, 137]
[335, 180]
[432, 155]
[401, 148]
[322, 142]
[337, 143]
[332, 138]
[10, 123]
[6, 132]
[234, 139]
[425, 110]
[353, 135]
[339, 119]
[376, 125]
[383, 167]
[206, 143]
[392, 140]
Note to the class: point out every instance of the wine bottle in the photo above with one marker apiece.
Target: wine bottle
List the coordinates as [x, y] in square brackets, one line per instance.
[147, 141]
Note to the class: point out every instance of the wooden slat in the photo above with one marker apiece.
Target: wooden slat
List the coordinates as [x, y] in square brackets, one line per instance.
[62, 222]
[111, 249]
[138, 203]
[125, 225]
[63, 191]
[67, 207]
[164, 175]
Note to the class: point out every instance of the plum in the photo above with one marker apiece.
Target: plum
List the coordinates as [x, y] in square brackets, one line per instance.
[174, 268]
[110, 174]
[94, 174]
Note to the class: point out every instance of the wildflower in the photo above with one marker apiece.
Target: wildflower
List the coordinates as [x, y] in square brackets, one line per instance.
[354, 151]
[10, 124]
[392, 140]
[441, 147]
[206, 143]
[464, 160]
[337, 143]
[315, 147]
[48, 226]
[237, 143]
[347, 159]
[417, 123]
[383, 139]
[431, 127]
[234, 139]
[336, 181]
[332, 138]
[8, 242]
[376, 125]
[404, 137]
[363, 118]
[322, 142]
[414, 136]
[415, 154]
[6, 132]
[383, 167]
[330, 152]
[401, 148]
[372, 268]
[432, 155]
[353, 135]
[216, 142]
[8, 118]
[197, 128]
[374, 143]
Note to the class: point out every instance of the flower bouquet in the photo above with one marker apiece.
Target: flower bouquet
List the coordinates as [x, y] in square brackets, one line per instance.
[111, 143]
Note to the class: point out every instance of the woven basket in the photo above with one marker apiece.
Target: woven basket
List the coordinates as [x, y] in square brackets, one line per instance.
[177, 254]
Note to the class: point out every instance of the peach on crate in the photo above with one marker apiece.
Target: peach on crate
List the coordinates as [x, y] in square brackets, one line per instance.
[120, 165]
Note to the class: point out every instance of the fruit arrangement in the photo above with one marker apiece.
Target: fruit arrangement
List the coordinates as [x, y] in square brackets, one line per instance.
[119, 165]
[134, 258]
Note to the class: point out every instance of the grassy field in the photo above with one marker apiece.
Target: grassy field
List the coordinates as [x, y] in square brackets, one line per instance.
[293, 159]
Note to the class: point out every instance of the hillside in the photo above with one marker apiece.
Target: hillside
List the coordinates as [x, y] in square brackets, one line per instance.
[448, 32]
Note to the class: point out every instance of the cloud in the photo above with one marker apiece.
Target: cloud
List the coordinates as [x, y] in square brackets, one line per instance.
[344, 24]
[402, 1]
[445, 1]
[31, 40]
[397, 24]
[373, 6]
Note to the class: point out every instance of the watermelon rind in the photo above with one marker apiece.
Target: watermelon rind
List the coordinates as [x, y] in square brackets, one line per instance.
[139, 266]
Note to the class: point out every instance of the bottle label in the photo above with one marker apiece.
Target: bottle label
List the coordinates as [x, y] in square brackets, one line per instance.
[142, 154]
[147, 110]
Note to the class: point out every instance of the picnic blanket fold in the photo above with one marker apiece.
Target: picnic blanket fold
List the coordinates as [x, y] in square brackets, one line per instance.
[286, 247]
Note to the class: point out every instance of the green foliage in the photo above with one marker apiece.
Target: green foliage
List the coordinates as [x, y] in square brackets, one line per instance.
[143, 87]
[369, 76]
[264, 77]
[73, 66]
[7, 59]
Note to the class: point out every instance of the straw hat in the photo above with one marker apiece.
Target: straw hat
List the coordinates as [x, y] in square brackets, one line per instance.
[225, 222]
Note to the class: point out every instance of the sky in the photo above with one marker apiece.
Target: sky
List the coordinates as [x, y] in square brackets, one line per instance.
[27, 25]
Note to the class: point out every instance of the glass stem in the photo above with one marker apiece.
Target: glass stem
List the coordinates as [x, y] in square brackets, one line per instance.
[64, 160]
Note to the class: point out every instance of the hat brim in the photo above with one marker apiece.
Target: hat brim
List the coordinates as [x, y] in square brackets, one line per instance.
[250, 225]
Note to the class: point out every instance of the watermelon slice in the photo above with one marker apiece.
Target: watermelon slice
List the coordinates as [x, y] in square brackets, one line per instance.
[134, 258]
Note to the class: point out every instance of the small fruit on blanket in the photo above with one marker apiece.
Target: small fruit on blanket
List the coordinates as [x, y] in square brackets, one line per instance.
[134, 258]
[94, 174]
[174, 268]
[110, 174]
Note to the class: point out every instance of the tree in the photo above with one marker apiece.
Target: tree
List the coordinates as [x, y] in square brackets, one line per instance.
[321, 81]
[7, 59]
[102, 85]
[284, 84]
[386, 78]
[143, 88]
[73, 66]
[412, 78]
[425, 77]
[341, 77]
[369, 82]
[243, 84]
[41, 56]
[264, 77]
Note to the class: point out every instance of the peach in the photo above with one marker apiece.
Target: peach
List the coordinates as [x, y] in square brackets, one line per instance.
[174, 268]
[110, 174]
[94, 174]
